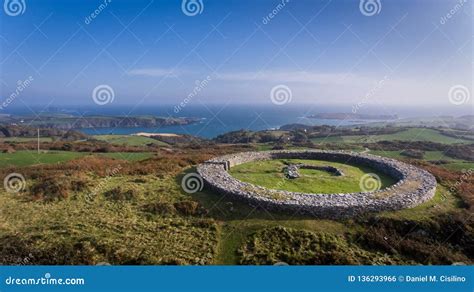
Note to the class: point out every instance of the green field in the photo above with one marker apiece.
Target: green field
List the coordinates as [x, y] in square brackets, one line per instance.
[128, 140]
[429, 155]
[452, 163]
[412, 134]
[25, 139]
[25, 158]
[270, 174]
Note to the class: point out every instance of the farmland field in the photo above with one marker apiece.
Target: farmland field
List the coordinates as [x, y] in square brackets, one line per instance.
[128, 140]
[412, 134]
[25, 158]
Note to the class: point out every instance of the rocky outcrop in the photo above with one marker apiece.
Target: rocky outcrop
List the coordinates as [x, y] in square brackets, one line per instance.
[292, 171]
[414, 186]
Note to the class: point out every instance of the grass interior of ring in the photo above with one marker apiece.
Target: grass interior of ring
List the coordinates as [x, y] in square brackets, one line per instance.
[270, 174]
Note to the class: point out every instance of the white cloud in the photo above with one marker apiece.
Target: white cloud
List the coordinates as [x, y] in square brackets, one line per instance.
[298, 77]
[310, 87]
[316, 87]
[156, 72]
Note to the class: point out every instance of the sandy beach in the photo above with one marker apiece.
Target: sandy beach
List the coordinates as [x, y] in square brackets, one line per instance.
[145, 134]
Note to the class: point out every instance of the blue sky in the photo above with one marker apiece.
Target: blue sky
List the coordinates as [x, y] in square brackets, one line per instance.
[150, 52]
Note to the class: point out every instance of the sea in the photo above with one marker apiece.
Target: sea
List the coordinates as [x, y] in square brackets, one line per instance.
[219, 119]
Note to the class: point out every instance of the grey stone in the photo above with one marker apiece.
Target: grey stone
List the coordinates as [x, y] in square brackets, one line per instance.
[413, 187]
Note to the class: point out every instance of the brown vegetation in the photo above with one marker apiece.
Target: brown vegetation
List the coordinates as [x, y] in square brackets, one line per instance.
[442, 240]
[461, 183]
[160, 208]
[57, 187]
[447, 240]
[121, 194]
[300, 247]
[189, 208]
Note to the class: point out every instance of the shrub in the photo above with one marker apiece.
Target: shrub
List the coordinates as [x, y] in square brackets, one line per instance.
[16, 250]
[426, 243]
[413, 153]
[139, 181]
[121, 194]
[298, 247]
[172, 262]
[465, 152]
[66, 147]
[79, 183]
[278, 147]
[51, 188]
[189, 208]
[160, 208]
[205, 223]
[9, 150]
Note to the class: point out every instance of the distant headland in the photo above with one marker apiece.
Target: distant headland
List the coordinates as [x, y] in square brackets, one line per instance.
[352, 116]
[66, 122]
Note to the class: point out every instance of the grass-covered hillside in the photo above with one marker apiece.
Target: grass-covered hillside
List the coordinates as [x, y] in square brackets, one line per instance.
[94, 202]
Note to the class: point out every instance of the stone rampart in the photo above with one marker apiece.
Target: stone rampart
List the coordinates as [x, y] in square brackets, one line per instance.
[413, 187]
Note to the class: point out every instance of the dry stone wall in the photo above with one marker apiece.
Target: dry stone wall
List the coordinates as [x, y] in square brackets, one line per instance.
[414, 186]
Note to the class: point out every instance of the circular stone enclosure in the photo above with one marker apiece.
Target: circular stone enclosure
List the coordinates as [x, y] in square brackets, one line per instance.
[413, 187]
